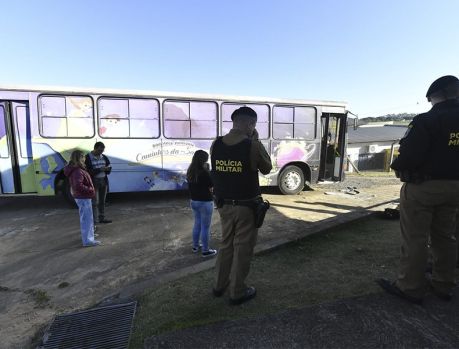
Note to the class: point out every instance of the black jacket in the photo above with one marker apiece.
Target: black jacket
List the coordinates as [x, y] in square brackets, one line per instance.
[430, 147]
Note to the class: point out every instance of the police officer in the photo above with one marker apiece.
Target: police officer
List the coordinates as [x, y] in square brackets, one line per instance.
[428, 165]
[236, 159]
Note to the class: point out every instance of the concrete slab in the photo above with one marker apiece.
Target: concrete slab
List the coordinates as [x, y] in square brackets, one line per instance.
[44, 270]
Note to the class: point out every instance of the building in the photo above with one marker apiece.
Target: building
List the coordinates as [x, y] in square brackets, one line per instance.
[369, 146]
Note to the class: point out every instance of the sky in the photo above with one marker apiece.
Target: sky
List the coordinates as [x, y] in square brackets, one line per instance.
[378, 56]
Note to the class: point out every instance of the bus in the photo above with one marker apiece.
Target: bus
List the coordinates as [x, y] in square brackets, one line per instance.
[150, 137]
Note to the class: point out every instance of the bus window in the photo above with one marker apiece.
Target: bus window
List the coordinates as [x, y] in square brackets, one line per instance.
[66, 116]
[4, 153]
[128, 118]
[190, 119]
[23, 127]
[144, 118]
[294, 122]
[262, 111]
[305, 123]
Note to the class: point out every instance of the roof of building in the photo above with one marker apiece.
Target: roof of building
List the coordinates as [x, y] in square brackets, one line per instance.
[386, 133]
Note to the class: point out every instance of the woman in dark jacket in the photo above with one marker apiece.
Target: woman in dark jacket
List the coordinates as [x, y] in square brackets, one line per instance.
[200, 186]
[82, 191]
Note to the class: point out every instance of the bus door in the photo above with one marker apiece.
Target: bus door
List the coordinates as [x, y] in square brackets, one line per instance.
[333, 147]
[16, 165]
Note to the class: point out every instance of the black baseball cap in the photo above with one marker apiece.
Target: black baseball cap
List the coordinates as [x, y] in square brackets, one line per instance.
[441, 83]
[247, 111]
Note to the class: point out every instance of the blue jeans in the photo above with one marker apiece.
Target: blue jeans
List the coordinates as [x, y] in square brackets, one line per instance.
[86, 220]
[202, 211]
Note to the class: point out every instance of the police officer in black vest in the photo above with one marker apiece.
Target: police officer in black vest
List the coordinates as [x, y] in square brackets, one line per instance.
[236, 159]
[428, 165]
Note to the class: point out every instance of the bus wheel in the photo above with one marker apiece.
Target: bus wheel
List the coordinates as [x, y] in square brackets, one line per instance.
[291, 180]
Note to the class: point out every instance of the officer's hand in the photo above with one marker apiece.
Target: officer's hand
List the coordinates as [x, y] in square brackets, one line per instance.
[255, 135]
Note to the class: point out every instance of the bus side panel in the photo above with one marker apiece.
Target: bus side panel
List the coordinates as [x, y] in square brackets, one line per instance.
[284, 152]
[136, 164]
[49, 156]
[177, 155]
[270, 178]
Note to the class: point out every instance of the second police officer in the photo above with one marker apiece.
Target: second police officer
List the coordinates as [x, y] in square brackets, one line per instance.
[428, 165]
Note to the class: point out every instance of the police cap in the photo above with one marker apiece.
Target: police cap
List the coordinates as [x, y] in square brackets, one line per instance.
[441, 83]
[246, 111]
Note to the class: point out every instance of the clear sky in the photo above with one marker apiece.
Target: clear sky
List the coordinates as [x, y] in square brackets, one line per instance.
[379, 56]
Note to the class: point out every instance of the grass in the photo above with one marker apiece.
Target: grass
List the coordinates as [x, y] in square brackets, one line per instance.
[40, 297]
[338, 263]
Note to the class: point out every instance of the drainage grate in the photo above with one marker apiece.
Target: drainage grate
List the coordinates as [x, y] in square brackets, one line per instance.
[105, 327]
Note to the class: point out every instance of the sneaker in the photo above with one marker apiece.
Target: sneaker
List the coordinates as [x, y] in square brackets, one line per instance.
[391, 287]
[209, 253]
[196, 249]
[96, 235]
[249, 293]
[93, 243]
[448, 296]
[219, 292]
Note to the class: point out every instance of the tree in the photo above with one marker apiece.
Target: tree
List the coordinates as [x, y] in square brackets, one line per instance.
[401, 117]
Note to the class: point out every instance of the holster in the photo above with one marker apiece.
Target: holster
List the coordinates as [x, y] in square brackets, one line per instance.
[258, 205]
[260, 208]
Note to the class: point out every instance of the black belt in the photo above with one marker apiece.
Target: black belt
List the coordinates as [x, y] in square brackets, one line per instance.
[248, 203]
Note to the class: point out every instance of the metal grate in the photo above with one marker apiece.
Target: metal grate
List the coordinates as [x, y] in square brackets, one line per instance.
[105, 327]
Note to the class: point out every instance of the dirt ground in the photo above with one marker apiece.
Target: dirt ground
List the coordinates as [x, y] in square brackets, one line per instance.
[44, 271]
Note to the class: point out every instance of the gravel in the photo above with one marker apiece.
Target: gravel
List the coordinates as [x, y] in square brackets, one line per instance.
[359, 182]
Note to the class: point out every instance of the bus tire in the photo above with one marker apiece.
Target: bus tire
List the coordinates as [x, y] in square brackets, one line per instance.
[291, 180]
[67, 194]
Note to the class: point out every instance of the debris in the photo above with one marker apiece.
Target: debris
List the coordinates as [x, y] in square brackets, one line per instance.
[350, 191]
[63, 284]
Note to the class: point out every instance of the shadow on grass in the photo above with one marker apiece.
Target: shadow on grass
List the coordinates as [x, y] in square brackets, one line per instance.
[341, 262]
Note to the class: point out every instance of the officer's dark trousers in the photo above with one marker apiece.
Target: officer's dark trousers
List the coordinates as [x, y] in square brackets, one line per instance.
[428, 210]
[239, 237]
[98, 202]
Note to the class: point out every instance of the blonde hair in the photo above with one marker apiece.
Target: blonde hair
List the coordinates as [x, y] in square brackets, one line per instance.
[75, 159]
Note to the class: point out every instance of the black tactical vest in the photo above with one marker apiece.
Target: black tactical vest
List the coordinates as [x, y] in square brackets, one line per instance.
[231, 173]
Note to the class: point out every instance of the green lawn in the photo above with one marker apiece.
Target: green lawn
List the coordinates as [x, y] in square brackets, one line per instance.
[341, 262]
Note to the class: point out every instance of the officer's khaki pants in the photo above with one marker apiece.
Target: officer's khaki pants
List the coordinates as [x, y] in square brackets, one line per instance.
[428, 209]
[457, 238]
[239, 237]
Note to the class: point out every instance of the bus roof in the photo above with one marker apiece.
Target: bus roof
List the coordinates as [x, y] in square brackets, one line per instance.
[162, 94]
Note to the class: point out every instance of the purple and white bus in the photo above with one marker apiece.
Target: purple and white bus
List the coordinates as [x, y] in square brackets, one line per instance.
[150, 137]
